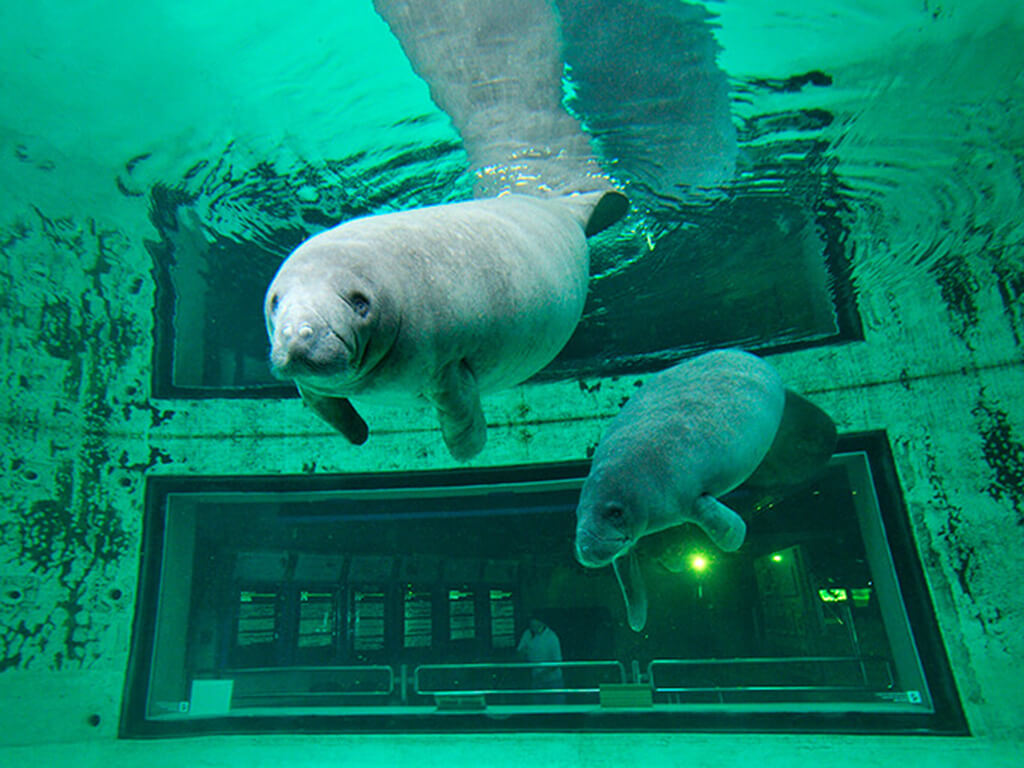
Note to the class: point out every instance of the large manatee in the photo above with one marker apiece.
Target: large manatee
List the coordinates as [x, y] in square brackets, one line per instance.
[434, 305]
[438, 304]
[441, 303]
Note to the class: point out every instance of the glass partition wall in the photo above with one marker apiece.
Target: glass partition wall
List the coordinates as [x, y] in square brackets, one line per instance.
[396, 602]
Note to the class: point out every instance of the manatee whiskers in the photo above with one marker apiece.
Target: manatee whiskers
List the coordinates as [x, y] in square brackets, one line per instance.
[594, 551]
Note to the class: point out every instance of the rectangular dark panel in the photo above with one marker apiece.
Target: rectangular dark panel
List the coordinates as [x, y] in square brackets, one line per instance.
[820, 622]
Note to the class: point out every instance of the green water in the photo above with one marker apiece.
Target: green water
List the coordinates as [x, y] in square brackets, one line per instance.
[866, 154]
[158, 160]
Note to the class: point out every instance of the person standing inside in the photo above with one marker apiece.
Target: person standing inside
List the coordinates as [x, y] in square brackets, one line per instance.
[539, 643]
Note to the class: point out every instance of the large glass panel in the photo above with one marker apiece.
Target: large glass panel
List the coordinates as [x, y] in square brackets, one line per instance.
[380, 601]
[212, 341]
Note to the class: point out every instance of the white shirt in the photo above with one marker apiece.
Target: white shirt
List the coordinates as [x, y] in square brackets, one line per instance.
[542, 647]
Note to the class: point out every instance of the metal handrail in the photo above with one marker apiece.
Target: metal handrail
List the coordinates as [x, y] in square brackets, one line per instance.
[418, 688]
[767, 660]
[618, 665]
[349, 668]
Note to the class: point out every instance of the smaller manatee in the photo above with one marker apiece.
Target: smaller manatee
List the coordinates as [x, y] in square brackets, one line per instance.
[692, 433]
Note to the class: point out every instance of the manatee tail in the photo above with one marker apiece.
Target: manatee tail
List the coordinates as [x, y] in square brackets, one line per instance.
[802, 447]
[495, 67]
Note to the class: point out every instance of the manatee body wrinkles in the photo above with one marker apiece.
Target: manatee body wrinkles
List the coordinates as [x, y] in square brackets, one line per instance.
[435, 305]
[691, 434]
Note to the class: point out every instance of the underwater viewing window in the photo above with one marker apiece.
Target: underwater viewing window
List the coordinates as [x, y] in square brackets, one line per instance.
[211, 336]
[394, 602]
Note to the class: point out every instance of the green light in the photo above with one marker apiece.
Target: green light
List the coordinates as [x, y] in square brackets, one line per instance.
[699, 563]
[776, 558]
[861, 596]
[832, 595]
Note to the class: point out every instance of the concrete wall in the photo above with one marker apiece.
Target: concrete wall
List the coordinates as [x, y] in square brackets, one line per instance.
[940, 370]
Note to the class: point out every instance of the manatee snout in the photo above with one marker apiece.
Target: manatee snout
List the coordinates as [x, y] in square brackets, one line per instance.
[306, 345]
[594, 553]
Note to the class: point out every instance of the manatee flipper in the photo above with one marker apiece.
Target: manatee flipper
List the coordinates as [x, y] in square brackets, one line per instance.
[339, 413]
[723, 526]
[457, 400]
[634, 591]
[803, 444]
[596, 211]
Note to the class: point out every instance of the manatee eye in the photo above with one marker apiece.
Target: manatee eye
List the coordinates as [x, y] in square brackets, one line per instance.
[614, 514]
[274, 301]
[360, 304]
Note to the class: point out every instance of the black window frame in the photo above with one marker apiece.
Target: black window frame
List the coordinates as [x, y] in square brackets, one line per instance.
[947, 717]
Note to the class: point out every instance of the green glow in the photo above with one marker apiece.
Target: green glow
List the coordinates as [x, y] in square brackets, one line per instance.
[861, 596]
[699, 563]
[832, 595]
[776, 558]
